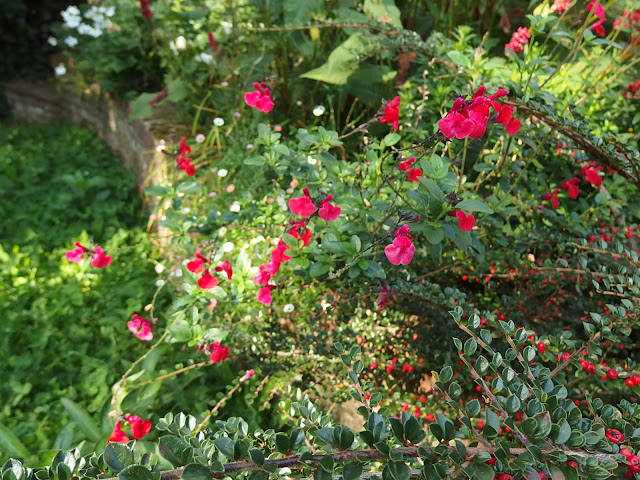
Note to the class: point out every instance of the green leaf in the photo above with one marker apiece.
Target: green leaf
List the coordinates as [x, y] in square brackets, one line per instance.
[390, 139]
[140, 107]
[10, 444]
[474, 206]
[257, 161]
[118, 456]
[473, 407]
[433, 189]
[351, 471]
[196, 471]
[341, 62]
[13, 470]
[282, 443]
[157, 191]
[84, 421]
[257, 456]
[188, 187]
[225, 445]
[459, 59]
[383, 11]
[175, 450]
[396, 471]
[318, 269]
[446, 374]
[135, 472]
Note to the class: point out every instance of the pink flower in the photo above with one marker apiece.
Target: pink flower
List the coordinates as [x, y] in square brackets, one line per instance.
[207, 281]
[75, 254]
[260, 98]
[139, 427]
[248, 375]
[465, 221]
[264, 295]
[118, 435]
[218, 353]
[401, 251]
[329, 212]
[519, 40]
[383, 298]
[406, 165]
[571, 186]
[225, 267]
[195, 266]
[591, 174]
[262, 277]
[140, 327]
[561, 5]
[302, 206]
[414, 175]
[469, 118]
[100, 259]
[599, 13]
[391, 113]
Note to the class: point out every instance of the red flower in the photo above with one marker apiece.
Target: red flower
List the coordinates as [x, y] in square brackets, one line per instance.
[302, 206]
[260, 98]
[225, 267]
[100, 259]
[264, 295]
[139, 427]
[401, 251]
[406, 165]
[615, 436]
[118, 435]
[571, 186]
[140, 327]
[207, 281]
[195, 266]
[213, 45]
[75, 254]
[145, 9]
[591, 174]
[599, 13]
[465, 221]
[391, 113]
[278, 255]
[306, 233]
[183, 147]
[218, 353]
[553, 196]
[414, 175]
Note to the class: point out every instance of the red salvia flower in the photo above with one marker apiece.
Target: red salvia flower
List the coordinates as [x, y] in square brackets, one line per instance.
[219, 353]
[145, 9]
[118, 435]
[139, 427]
[414, 174]
[391, 114]
[465, 221]
[213, 45]
[302, 206]
[75, 254]
[401, 251]
[225, 267]
[140, 327]
[264, 295]
[260, 98]
[207, 281]
[100, 259]
[572, 187]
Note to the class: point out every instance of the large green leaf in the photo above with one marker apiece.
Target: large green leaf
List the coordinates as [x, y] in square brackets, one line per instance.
[383, 11]
[84, 421]
[9, 443]
[341, 62]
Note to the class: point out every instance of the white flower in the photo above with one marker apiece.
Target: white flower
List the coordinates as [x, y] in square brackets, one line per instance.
[318, 110]
[52, 41]
[218, 122]
[222, 172]
[71, 16]
[204, 57]
[258, 239]
[88, 30]
[71, 41]
[226, 26]
[223, 231]
[159, 283]
[181, 43]
[159, 268]
[185, 210]
[161, 146]
[288, 308]
[311, 160]
[249, 146]
[200, 138]
[60, 70]
[227, 247]
[324, 304]
[235, 207]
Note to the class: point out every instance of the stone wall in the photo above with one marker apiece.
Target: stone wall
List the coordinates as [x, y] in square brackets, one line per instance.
[133, 142]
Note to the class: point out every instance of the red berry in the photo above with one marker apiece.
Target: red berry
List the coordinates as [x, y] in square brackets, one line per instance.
[505, 476]
[573, 464]
[542, 476]
[636, 379]
[541, 346]
[629, 382]
[612, 373]
[480, 425]
[431, 417]
[626, 452]
[615, 436]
